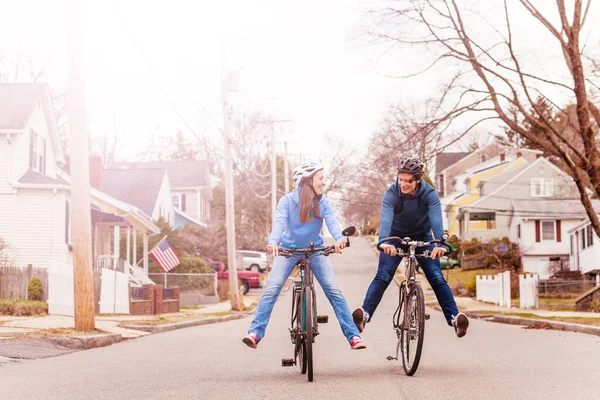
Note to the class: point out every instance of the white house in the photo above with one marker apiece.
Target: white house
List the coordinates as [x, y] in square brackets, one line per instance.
[35, 200]
[148, 189]
[541, 228]
[190, 185]
[584, 247]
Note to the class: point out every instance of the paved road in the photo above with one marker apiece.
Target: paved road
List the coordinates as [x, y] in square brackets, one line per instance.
[493, 361]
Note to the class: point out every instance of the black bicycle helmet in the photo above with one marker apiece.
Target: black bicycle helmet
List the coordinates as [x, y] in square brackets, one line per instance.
[412, 166]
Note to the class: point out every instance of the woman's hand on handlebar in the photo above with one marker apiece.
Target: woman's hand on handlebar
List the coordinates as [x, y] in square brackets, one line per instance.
[437, 252]
[273, 249]
[388, 249]
[339, 246]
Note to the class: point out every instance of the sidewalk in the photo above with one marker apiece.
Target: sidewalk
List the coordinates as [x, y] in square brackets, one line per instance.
[533, 318]
[50, 335]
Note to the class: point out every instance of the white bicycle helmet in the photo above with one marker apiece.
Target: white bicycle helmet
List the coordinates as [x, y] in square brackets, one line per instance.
[305, 170]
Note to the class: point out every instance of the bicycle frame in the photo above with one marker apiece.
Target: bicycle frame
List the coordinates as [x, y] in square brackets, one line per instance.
[410, 316]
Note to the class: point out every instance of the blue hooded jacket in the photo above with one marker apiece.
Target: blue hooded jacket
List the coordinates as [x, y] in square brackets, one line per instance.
[288, 230]
[414, 216]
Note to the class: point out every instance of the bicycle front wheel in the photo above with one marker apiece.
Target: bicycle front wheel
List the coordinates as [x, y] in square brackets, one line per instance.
[413, 329]
[308, 303]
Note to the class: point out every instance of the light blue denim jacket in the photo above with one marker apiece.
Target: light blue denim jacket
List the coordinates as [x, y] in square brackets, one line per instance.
[288, 230]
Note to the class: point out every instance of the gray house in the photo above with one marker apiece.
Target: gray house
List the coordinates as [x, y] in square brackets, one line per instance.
[191, 192]
[539, 180]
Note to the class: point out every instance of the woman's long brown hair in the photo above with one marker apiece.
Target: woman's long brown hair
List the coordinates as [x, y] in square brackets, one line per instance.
[307, 198]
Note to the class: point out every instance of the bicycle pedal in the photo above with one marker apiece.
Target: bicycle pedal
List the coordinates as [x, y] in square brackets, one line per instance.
[427, 316]
[287, 362]
[322, 319]
[390, 358]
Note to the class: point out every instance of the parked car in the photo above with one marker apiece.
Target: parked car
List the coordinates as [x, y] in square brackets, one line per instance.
[448, 263]
[247, 279]
[253, 260]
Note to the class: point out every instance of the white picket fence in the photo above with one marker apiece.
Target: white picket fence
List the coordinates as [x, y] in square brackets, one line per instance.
[114, 293]
[528, 291]
[494, 288]
[61, 297]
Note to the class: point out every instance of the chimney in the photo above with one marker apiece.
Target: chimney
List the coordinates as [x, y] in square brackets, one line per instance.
[519, 154]
[96, 172]
[502, 157]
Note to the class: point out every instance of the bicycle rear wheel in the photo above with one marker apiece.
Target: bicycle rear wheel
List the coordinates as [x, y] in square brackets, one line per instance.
[308, 303]
[413, 330]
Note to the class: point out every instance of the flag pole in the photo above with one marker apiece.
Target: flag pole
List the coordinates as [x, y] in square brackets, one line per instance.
[151, 250]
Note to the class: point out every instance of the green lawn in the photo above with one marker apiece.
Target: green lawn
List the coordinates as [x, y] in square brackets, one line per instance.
[457, 276]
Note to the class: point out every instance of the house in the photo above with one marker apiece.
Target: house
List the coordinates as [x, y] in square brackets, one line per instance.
[584, 247]
[35, 193]
[469, 191]
[148, 189]
[453, 164]
[539, 180]
[541, 228]
[533, 205]
[191, 187]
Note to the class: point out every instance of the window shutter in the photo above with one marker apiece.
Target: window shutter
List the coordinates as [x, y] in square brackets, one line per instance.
[558, 235]
[43, 162]
[537, 231]
[183, 202]
[66, 222]
[31, 155]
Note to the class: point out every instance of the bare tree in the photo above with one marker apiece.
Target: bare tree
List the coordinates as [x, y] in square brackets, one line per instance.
[491, 76]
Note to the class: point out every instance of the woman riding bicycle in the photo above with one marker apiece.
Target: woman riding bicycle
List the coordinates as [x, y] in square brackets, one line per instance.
[298, 222]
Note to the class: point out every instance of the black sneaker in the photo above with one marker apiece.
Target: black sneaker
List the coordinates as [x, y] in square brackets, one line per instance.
[360, 318]
[460, 322]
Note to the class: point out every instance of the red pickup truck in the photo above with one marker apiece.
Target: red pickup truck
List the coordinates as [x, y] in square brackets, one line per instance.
[247, 279]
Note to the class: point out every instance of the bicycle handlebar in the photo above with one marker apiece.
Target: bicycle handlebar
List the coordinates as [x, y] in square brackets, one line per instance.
[409, 242]
[326, 250]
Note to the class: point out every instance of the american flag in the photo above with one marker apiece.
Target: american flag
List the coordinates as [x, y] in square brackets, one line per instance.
[164, 254]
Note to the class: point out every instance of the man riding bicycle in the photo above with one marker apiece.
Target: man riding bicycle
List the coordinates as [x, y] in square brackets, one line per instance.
[411, 207]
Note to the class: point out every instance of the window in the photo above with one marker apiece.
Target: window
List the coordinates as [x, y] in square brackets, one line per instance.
[441, 185]
[37, 152]
[582, 234]
[467, 185]
[179, 201]
[590, 236]
[542, 187]
[548, 231]
[518, 231]
[67, 222]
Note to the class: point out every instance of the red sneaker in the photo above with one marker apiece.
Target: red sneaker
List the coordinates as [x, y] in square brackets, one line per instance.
[251, 340]
[356, 343]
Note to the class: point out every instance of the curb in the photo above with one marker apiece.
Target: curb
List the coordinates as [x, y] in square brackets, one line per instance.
[185, 324]
[87, 342]
[530, 322]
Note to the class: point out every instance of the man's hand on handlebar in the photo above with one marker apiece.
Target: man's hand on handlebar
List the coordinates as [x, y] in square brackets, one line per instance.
[437, 252]
[273, 249]
[388, 249]
[339, 246]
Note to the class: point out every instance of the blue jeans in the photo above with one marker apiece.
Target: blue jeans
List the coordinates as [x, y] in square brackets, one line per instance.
[323, 271]
[433, 272]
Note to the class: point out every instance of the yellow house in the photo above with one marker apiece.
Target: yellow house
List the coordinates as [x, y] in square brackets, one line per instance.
[470, 192]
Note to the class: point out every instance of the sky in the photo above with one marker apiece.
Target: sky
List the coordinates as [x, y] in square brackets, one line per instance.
[157, 66]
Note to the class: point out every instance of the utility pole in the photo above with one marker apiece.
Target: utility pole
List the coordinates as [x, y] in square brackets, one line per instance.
[83, 274]
[273, 177]
[229, 199]
[286, 169]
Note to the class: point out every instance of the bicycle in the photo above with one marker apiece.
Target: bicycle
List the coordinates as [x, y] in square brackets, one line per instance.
[409, 318]
[304, 322]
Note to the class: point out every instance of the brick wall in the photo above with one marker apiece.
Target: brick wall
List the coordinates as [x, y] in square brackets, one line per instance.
[154, 303]
[172, 305]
